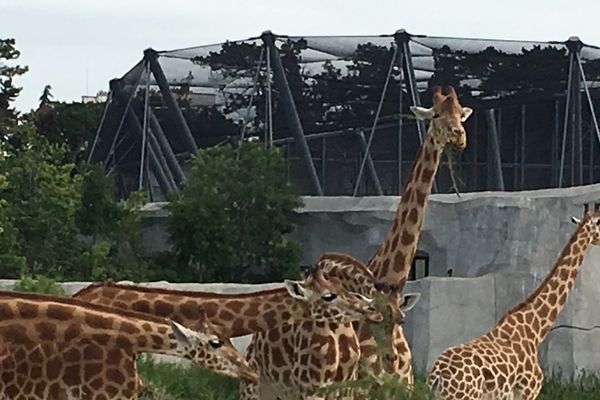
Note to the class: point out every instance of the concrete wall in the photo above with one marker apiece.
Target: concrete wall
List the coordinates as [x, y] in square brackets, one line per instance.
[500, 246]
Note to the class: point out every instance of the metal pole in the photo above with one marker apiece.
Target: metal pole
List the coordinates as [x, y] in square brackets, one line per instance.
[400, 121]
[474, 149]
[253, 94]
[144, 128]
[157, 168]
[589, 98]
[523, 120]
[100, 125]
[495, 178]
[578, 120]
[172, 162]
[323, 161]
[566, 121]
[269, 100]
[375, 120]
[515, 167]
[402, 39]
[555, 140]
[370, 164]
[152, 56]
[117, 89]
[291, 113]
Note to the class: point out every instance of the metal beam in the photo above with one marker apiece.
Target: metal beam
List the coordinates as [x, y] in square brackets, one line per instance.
[164, 183]
[574, 45]
[495, 179]
[152, 57]
[164, 144]
[370, 164]
[289, 107]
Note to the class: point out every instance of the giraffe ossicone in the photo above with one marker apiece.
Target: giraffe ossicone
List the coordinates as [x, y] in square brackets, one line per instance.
[503, 363]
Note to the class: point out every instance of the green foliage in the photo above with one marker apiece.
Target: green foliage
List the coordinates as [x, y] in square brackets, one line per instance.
[43, 194]
[228, 223]
[8, 92]
[39, 284]
[187, 382]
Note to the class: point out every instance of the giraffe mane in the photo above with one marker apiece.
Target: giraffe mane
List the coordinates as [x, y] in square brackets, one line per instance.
[80, 303]
[178, 292]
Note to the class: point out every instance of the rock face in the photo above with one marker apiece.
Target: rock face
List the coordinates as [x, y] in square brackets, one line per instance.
[499, 245]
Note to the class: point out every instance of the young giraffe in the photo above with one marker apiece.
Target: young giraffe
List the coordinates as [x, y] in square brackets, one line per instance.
[56, 348]
[390, 265]
[503, 363]
[314, 299]
[392, 262]
[297, 359]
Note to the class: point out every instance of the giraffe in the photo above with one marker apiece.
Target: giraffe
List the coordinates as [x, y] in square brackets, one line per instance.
[60, 348]
[390, 265]
[314, 299]
[299, 358]
[503, 363]
[392, 261]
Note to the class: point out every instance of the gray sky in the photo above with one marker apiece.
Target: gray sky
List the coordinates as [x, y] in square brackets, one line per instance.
[77, 46]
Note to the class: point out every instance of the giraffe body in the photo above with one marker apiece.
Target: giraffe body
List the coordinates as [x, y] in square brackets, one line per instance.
[503, 363]
[390, 265]
[53, 345]
[295, 360]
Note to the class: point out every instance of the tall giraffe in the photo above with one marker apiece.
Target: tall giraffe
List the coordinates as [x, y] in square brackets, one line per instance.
[59, 348]
[314, 299]
[300, 358]
[392, 262]
[391, 265]
[503, 363]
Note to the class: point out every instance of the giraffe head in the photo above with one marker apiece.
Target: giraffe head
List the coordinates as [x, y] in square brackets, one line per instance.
[329, 302]
[590, 222]
[446, 117]
[207, 347]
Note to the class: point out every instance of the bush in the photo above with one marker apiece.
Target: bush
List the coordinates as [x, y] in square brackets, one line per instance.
[229, 221]
[39, 284]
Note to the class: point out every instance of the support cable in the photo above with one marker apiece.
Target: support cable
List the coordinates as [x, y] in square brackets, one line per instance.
[144, 129]
[104, 112]
[589, 97]
[565, 125]
[379, 107]
[120, 127]
[253, 94]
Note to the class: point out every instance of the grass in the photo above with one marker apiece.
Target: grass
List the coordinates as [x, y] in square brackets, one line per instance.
[189, 382]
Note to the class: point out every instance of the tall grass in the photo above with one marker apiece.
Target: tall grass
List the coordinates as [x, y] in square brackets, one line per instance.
[189, 382]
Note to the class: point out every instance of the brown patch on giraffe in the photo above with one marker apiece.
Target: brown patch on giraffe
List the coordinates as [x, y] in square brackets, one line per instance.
[27, 310]
[46, 331]
[101, 338]
[407, 238]
[427, 175]
[163, 309]
[129, 328]
[97, 321]
[6, 312]
[421, 198]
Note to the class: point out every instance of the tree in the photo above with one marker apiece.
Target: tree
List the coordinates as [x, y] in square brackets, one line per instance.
[229, 221]
[8, 92]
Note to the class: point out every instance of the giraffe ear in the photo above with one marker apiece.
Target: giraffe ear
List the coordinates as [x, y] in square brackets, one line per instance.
[409, 300]
[467, 111]
[295, 289]
[575, 220]
[183, 335]
[422, 112]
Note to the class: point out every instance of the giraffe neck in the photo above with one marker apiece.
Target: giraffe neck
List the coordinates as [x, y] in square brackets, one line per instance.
[394, 257]
[31, 320]
[539, 311]
[236, 314]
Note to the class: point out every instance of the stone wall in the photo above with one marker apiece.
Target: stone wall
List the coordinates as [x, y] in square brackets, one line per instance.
[499, 245]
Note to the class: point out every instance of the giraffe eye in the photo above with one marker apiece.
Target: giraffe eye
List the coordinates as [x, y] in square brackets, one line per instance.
[435, 116]
[215, 343]
[329, 296]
